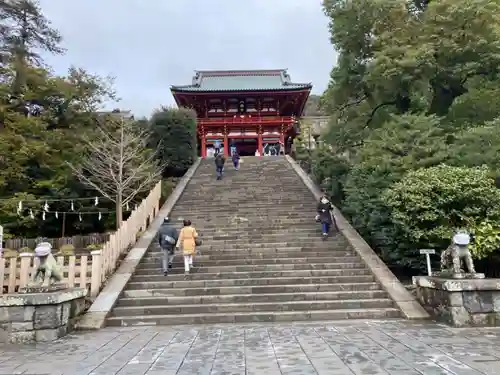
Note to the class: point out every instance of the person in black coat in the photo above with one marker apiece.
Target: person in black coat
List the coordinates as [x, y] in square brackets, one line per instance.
[324, 214]
[219, 165]
[167, 238]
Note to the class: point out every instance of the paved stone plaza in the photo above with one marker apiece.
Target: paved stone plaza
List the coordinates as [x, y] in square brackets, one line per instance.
[344, 348]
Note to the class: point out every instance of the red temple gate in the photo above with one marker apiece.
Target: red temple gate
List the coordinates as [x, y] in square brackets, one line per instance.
[235, 106]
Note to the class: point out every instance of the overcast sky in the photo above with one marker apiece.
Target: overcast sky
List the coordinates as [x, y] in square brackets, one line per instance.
[149, 45]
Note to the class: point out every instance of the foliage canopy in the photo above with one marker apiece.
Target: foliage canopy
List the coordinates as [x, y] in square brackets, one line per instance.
[46, 121]
[413, 97]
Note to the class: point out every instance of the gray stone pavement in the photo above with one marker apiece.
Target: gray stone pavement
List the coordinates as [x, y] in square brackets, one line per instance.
[392, 347]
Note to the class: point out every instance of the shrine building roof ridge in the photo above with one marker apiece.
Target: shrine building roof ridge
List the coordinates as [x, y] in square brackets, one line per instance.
[241, 80]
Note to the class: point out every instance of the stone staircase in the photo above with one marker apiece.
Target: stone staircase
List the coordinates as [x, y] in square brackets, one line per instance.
[262, 258]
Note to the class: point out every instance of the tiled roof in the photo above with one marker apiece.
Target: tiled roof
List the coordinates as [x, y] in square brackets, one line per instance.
[241, 80]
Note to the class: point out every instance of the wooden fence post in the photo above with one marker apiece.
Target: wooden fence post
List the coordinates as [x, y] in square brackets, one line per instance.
[95, 283]
[24, 274]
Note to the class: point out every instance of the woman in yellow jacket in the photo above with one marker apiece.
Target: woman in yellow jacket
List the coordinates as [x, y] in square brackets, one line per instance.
[188, 238]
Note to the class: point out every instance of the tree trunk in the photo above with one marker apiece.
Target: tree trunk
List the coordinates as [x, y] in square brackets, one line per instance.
[20, 65]
[443, 97]
[119, 210]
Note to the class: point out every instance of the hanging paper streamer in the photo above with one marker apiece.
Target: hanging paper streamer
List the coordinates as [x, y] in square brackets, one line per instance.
[31, 214]
[96, 202]
[46, 207]
[19, 207]
[135, 208]
[80, 217]
[43, 215]
[127, 207]
[57, 215]
[100, 216]
[72, 206]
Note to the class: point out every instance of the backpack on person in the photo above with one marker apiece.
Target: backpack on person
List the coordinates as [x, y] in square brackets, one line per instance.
[169, 239]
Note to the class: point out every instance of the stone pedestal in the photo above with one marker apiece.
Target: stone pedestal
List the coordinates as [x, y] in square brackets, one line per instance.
[35, 317]
[460, 302]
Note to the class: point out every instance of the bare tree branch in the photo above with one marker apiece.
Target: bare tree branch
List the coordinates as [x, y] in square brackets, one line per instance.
[384, 104]
[118, 163]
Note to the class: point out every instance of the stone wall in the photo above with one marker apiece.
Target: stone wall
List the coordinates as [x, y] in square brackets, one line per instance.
[36, 317]
[460, 302]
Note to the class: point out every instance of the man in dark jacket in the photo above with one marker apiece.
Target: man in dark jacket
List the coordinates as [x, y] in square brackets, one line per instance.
[167, 237]
[219, 165]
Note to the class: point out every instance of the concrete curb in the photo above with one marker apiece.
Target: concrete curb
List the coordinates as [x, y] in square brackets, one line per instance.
[96, 315]
[408, 305]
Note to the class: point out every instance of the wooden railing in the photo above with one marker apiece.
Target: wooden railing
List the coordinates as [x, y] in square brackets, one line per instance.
[86, 271]
[79, 242]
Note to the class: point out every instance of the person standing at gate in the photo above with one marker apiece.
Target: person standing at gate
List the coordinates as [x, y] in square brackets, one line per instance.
[236, 160]
[167, 237]
[217, 147]
[219, 165]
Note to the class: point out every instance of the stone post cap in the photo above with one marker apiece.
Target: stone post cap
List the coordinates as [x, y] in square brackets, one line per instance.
[461, 239]
[43, 249]
[23, 255]
[96, 252]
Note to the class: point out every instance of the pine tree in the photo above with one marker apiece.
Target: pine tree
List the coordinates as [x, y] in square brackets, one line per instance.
[23, 31]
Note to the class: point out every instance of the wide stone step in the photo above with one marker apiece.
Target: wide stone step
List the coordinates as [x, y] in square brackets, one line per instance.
[253, 274]
[217, 308]
[260, 183]
[271, 316]
[251, 298]
[235, 237]
[253, 229]
[248, 175]
[255, 221]
[285, 241]
[243, 238]
[246, 182]
[248, 249]
[257, 246]
[271, 201]
[236, 232]
[227, 209]
[263, 252]
[249, 261]
[268, 249]
[214, 214]
[295, 206]
[247, 204]
[177, 268]
[225, 231]
[211, 255]
[252, 290]
[245, 219]
[342, 256]
[169, 283]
